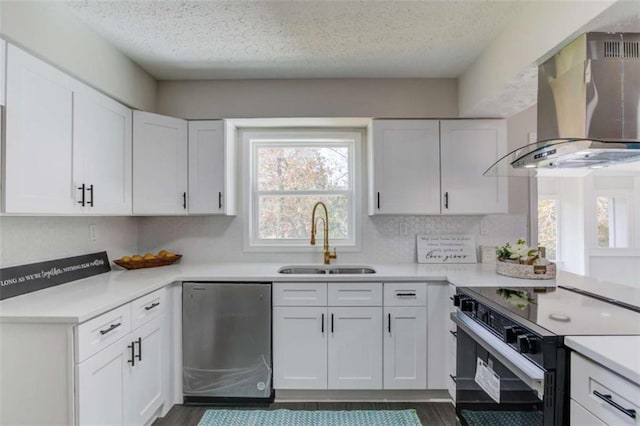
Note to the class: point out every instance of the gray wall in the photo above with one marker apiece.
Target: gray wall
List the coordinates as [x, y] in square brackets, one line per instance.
[49, 30]
[380, 98]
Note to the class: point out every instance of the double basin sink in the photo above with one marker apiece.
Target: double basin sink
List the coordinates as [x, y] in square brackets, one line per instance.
[319, 270]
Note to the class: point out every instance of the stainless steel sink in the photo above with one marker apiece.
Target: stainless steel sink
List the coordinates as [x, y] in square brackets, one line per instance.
[319, 270]
[301, 270]
[350, 270]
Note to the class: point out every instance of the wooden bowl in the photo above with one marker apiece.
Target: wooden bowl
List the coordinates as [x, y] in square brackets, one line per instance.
[148, 263]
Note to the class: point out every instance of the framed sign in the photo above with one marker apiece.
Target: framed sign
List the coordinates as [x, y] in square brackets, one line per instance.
[446, 248]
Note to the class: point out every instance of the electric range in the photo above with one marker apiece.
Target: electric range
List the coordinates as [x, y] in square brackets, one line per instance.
[517, 335]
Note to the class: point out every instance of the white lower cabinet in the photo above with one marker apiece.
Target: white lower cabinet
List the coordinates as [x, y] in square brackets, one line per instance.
[299, 347]
[355, 348]
[405, 348]
[122, 384]
[581, 417]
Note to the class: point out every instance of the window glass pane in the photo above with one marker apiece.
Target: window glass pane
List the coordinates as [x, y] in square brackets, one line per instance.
[621, 220]
[548, 227]
[602, 221]
[289, 217]
[292, 168]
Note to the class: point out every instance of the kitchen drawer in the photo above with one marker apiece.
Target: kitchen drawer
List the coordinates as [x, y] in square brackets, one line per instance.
[579, 416]
[98, 333]
[355, 294]
[147, 308]
[299, 294]
[587, 378]
[405, 294]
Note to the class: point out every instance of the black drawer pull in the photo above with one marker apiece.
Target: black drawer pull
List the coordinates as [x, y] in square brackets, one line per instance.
[322, 324]
[139, 348]
[110, 329]
[90, 189]
[609, 400]
[454, 334]
[453, 378]
[132, 361]
[406, 294]
[378, 201]
[150, 307]
[332, 323]
[389, 325]
[82, 201]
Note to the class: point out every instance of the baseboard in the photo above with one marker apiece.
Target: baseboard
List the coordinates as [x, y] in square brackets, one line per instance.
[287, 395]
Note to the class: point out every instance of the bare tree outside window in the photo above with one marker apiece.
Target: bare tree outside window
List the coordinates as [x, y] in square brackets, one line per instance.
[548, 226]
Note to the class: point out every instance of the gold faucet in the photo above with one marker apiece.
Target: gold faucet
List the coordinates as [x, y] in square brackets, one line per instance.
[327, 254]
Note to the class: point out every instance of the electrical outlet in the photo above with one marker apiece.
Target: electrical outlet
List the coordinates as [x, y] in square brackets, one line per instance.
[404, 228]
[92, 233]
[484, 228]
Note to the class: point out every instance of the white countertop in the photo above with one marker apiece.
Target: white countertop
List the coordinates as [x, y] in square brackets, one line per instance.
[620, 354]
[84, 299]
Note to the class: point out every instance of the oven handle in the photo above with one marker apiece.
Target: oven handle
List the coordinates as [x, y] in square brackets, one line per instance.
[527, 371]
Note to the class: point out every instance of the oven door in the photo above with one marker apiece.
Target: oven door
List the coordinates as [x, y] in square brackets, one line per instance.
[521, 398]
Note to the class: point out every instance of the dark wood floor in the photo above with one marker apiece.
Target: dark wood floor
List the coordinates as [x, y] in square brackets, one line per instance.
[430, 413]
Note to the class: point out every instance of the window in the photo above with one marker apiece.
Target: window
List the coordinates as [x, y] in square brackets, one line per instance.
[612, 221]
[548, 226]
[288, 172]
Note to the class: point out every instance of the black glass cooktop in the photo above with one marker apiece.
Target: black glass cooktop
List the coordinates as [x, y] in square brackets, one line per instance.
[560, 311]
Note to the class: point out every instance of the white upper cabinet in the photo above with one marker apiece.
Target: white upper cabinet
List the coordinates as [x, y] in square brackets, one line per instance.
[3, 61]
[468, 148]
[39, 137]
[159, 165]
[102, 153]
[404, 167]
[207, 194]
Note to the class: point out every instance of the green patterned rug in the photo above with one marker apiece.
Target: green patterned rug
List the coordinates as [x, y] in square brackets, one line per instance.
[310, 418]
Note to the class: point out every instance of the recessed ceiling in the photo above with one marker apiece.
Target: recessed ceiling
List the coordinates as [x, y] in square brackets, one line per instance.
[299, 39]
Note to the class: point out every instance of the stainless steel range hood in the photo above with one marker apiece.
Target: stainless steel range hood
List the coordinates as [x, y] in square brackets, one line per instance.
[588, 107]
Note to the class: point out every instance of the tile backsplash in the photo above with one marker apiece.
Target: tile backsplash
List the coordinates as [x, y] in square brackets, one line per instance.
[384, 238]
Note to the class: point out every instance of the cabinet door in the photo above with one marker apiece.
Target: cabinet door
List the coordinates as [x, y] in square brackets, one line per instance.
[581, 417]
[100, 383]
[159, 164]
[143, 381]
[405, 348]
[468, 148]
[300, 347]
[206, 167]
[38, 148]
[102, 136]
[355, 348]
[404, 157]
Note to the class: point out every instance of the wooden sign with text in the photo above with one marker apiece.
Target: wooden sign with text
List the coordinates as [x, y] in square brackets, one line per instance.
[446, 248]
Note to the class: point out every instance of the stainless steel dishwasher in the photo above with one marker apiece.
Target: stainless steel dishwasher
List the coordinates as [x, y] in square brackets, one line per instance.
[226, 342]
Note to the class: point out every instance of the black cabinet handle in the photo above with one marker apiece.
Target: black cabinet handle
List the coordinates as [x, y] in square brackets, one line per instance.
[446, 200]
[82, 188]
[219, 200]
[406, 294]
[184, 200]
[90, 189]
[378, 201]
[609, 400]
[110, 329]
[132, 361]
[150, 307]
[332, 323]
[453, 378]
[389, 323]
[139, 348]
[322, 324]
[454, 334]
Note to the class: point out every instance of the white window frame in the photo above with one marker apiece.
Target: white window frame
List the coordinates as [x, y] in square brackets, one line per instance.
[556, 198]
[251, 137]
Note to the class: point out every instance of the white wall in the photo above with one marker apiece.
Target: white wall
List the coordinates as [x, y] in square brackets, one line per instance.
[49, 30]
[382, 98]
[34, 239]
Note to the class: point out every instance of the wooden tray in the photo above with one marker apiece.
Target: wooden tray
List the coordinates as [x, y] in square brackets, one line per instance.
[529, 272]
[149, 263]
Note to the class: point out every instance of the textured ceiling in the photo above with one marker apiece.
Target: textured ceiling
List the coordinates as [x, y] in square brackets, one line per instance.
[299, 39]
